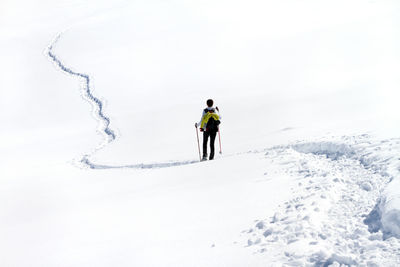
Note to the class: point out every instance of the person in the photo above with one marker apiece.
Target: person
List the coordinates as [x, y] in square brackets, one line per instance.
[209, 122]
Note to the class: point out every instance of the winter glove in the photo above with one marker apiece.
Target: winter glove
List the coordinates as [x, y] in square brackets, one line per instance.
[201, 130]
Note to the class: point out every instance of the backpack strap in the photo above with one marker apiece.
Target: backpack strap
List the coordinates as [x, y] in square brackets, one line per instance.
[206, 110]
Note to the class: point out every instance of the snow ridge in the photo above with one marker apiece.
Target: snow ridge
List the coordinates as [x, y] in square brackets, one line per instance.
[96, 103]
[332, 150]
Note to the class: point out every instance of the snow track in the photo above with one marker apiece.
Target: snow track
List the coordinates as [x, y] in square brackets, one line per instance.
[329, 219]
[103, 120]
[87, 93]
[92, 165]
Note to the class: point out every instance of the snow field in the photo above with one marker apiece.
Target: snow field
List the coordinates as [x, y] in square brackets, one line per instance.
[188, 215]
[286, 68]
[324, 222]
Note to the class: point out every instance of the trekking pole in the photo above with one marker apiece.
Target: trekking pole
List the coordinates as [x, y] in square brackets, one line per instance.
[198, 142]
[219, 138]
[219, 135]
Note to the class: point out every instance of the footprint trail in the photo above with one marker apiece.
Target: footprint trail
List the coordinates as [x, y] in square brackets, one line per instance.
[104, 120]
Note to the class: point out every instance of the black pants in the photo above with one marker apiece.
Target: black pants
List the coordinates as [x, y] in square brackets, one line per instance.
[212, 136]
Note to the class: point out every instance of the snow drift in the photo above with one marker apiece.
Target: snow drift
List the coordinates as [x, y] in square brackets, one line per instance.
[332, 150]
[390, 209]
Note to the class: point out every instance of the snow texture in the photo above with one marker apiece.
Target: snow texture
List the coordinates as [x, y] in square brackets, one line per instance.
[340, 212]
[389, 209]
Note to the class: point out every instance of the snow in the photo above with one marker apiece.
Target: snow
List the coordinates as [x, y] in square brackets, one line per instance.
[99, 160]
[390, 210]
[327, 218]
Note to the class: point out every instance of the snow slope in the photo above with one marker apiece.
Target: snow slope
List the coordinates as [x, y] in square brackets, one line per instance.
[98, 149]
